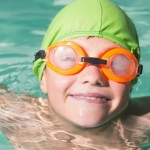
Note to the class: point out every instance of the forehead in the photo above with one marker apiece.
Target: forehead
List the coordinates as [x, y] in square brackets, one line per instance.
[94, 45]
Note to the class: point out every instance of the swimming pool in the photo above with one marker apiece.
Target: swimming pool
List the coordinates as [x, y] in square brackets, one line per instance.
[23, 25]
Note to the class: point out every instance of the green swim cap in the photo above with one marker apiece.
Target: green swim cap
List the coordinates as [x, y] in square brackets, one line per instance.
[101, 18]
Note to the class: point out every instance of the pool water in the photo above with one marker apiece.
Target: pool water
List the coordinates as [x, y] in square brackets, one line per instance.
[4, 143]
[23, 25]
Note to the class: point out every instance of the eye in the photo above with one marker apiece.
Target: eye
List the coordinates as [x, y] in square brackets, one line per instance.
[67, 58]
[64, 57]
[121, 65]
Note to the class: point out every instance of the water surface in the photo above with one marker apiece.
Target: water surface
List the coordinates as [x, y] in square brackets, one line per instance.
[23, 25]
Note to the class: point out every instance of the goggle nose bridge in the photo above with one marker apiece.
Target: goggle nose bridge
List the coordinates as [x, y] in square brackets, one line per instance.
[93, 60]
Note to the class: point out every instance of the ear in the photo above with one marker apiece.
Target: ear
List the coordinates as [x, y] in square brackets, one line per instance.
[43, 84]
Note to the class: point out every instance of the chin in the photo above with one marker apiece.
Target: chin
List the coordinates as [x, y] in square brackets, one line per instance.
[88, 123]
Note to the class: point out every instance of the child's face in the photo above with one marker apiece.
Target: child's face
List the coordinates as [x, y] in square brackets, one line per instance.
[80, 98]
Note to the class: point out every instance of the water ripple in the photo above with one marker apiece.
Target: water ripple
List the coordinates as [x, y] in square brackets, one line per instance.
[61, 3]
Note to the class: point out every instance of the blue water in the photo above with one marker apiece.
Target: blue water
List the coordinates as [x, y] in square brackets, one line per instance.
[23, 25]
[4, 143]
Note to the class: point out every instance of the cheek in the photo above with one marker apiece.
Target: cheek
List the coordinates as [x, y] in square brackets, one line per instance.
[57, 83]
[120, 100]
[121, 93]
[120, 90]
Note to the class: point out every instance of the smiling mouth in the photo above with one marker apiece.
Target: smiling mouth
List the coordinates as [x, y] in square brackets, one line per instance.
[91, 98]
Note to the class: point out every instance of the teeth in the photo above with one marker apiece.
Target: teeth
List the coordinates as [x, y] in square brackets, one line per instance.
[92, 98]
[104, 99]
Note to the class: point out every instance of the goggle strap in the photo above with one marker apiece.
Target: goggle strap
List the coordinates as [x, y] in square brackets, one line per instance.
[39, 54]
[140, 69]
[93, 60]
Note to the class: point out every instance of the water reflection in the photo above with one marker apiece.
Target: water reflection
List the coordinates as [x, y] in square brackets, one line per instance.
[31, 124]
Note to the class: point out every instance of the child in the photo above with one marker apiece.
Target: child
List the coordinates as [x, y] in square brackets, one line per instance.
[89, 92]
[87, 66]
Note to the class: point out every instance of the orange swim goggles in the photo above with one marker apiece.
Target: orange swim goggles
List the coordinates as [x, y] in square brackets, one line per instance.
[68, 58]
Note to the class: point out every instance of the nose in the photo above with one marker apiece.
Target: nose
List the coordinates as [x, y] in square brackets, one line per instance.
[93, 75]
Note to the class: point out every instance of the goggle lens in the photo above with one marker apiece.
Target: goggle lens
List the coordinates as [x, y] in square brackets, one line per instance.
[120, 65]
[63, 57]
